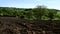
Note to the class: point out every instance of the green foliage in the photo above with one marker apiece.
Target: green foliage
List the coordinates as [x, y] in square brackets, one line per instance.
[40, 13]
[52, 14]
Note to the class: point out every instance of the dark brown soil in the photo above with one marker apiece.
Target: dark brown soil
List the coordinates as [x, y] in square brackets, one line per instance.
[13, 25]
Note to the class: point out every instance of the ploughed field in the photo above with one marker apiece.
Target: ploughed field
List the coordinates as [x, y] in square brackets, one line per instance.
[13, 25]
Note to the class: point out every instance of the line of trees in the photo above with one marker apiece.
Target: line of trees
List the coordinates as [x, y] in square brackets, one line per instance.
[38, 13]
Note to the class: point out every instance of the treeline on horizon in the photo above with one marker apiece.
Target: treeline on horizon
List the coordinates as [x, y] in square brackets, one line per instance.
[38, 13]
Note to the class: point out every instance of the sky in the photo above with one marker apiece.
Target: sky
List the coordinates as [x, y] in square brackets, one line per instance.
[54, 4]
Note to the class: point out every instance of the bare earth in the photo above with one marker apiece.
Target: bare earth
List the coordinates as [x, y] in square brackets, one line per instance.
[13, 25]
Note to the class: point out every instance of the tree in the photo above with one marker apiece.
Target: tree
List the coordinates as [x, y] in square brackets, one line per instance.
[39, 11]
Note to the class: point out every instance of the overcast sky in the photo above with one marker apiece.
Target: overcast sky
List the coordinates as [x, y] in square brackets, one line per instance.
[30, 3]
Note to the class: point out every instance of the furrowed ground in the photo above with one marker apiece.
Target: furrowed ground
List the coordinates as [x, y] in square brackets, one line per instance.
[13, 25]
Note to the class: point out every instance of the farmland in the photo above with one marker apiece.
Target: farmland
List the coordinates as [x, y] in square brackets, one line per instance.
[13, 25]
[40, 20]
